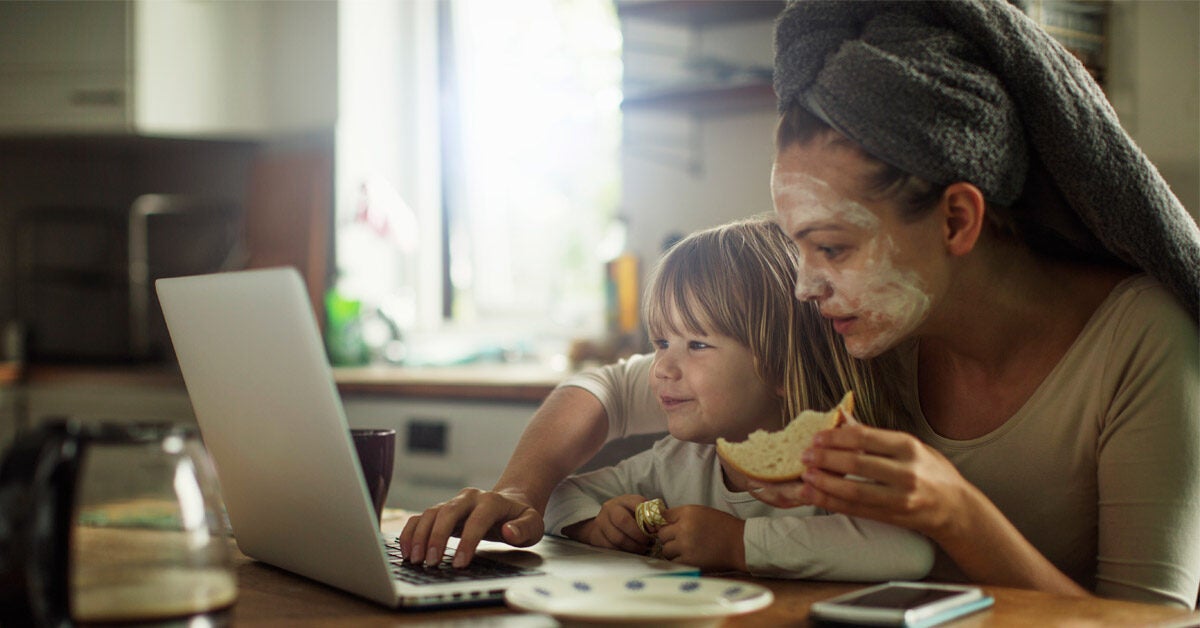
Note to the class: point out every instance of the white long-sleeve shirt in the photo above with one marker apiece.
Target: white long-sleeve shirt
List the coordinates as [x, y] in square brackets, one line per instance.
[790, 543]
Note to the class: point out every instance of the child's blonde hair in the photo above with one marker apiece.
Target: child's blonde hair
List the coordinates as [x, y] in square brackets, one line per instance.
[738, 280]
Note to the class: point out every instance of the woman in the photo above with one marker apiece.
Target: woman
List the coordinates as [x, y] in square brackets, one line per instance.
[954, 159]
[1052, 385]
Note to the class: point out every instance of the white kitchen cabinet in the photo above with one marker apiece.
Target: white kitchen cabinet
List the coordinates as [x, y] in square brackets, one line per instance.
[177, 68]
[63, 66]
[89, 401]
[442, 445]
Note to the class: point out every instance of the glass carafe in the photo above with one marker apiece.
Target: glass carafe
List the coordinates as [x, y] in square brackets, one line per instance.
[119, 523]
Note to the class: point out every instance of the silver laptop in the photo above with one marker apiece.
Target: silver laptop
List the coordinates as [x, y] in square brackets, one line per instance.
[270, 415]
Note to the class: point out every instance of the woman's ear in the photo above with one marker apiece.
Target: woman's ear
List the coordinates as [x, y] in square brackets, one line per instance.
[965, 212]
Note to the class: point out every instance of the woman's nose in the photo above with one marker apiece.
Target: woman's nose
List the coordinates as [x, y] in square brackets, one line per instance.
[811, 288]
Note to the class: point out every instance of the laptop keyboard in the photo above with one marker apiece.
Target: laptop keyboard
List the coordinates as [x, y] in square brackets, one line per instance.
[480, 569]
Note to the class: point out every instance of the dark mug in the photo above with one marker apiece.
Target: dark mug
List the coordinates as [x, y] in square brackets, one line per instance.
[376, 453]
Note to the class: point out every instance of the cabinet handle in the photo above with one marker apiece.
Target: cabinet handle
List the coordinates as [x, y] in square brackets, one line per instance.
[100, 97]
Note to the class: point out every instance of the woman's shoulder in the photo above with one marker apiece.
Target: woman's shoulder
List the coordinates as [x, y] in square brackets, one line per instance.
[1140, 303]
[1141, 322]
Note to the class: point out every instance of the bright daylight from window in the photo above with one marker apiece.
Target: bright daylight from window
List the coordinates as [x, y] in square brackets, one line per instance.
[478, 176]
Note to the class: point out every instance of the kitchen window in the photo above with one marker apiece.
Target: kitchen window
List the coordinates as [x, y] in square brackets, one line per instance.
[478, 173]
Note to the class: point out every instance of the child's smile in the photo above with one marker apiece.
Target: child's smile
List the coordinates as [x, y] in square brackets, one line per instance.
[708, 386]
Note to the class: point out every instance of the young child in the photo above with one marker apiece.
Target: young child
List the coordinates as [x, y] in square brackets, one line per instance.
[733, 353]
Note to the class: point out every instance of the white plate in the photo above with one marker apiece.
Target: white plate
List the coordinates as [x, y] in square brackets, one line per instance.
[660, 600]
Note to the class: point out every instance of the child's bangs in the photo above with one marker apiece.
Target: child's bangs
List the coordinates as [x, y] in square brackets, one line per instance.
[676, 304]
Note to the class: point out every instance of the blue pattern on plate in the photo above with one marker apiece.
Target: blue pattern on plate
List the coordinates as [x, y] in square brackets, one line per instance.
[710, 597]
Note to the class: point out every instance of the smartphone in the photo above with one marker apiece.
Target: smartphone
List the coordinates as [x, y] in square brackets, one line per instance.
[909, 604]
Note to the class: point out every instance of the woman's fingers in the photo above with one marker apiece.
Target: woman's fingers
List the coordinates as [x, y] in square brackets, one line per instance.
[828, 489]
[781, 494]
[872, 440]
[876, 455]
[444, 520]
[472, 514]
[492, 511]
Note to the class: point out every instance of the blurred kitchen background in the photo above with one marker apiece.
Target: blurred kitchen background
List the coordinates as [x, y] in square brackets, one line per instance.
[473, 190]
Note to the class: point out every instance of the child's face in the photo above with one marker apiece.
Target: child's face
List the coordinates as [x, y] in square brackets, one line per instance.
[708, 387]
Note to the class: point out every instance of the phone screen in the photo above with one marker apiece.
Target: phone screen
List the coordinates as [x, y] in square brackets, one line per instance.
[900, 597]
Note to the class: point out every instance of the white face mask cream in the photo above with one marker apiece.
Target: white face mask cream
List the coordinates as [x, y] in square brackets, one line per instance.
[848, 265]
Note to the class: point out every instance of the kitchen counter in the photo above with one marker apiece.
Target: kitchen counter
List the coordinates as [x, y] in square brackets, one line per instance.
[498, 382]
[489, 382]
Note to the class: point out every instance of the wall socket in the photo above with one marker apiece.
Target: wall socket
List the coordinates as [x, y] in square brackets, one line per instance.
[426, 436]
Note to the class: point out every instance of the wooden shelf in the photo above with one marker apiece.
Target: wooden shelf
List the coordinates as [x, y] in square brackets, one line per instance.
[707, 87]
[699, 13]
[705, 99]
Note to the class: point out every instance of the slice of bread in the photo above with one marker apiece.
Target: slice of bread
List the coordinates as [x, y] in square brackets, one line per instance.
[775, 456]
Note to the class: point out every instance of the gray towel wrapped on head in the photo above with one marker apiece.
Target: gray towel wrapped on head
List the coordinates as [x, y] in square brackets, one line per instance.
[972, 90]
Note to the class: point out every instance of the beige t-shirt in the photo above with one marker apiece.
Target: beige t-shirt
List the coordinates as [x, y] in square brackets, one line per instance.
[1100, 469]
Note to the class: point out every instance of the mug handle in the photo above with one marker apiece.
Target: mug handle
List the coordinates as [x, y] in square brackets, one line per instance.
[37, 488]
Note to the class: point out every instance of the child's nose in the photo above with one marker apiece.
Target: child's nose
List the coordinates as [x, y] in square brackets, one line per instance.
[665, 368]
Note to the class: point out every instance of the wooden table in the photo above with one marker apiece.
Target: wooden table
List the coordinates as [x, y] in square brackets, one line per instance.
[272, 597]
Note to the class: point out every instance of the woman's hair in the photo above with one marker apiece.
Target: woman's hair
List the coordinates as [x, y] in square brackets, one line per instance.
[1040, 218]
[738, 280]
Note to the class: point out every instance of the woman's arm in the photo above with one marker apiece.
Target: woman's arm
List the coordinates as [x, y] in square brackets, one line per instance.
[566, 431]
[913, 486]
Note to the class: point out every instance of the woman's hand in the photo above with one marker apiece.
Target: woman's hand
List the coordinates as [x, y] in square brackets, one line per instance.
[894, 478]
[615, 527]
[472, 515]
[703, 537]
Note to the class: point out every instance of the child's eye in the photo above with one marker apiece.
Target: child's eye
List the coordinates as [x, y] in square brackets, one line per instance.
[696, 344]
[660, 343]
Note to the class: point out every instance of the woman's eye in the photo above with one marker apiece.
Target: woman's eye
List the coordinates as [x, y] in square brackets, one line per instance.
[830, 252]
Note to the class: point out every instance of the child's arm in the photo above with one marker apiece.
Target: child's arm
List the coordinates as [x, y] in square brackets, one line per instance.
[615, 527]
[580, 498]
[835, 547]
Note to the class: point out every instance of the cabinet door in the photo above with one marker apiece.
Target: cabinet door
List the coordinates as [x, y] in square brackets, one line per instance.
[63, 66]
[204, 67]
[173, 68]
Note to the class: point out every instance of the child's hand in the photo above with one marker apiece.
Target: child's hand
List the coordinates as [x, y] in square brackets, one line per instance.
[615, 527]
[703, 537]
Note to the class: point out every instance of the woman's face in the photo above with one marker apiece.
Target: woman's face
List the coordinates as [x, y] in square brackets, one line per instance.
[868, 271]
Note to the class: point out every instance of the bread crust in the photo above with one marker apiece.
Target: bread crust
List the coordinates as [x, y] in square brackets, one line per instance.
[741, 456]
